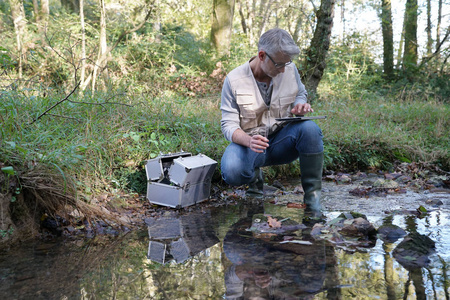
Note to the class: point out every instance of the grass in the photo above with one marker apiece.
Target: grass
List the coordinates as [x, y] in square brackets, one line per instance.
[97, 139]
[98, 144]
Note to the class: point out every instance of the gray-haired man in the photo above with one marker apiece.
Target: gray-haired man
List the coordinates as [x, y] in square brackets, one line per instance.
[254, 94]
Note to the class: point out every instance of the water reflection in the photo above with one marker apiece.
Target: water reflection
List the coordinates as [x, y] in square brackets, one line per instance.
[179, 238]
[209, 254]
[256, 266]
[264, 269]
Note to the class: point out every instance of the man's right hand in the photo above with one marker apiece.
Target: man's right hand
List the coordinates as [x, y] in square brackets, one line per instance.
[258, 143]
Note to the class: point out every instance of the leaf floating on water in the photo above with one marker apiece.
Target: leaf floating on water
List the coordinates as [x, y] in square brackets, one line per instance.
[274, 223]
[422, 210]
[297, 242]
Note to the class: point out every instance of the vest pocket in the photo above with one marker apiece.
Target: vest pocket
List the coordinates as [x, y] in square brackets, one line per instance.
[247, 113]
[245, 102]
[285, 106]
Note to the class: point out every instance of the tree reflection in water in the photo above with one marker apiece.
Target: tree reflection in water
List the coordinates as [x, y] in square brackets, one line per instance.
[238, 264]
[270, 270]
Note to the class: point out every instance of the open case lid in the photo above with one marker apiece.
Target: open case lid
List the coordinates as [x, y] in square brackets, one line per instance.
[157, 167]
[192, 170]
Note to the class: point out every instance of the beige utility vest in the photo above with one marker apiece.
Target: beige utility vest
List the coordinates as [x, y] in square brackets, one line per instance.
[254, 113]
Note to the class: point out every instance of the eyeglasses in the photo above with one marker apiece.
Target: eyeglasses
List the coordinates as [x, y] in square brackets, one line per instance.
[277, 65]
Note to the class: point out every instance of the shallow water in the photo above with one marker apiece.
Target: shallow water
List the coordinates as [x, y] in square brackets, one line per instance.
[208, 254]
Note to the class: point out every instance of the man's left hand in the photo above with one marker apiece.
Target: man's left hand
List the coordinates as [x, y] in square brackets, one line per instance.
[301, 109]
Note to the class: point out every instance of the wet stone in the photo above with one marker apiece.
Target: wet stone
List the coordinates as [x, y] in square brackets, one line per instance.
[403, 179]
[434, 202]
[359, 227]
[349, 230]
[262, 223]
[414, 251]
[390, 233]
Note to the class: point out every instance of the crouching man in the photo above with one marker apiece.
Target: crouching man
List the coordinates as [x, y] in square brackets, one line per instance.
[267, 87]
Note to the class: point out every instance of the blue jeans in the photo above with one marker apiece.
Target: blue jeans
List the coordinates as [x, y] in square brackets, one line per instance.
[239, 162]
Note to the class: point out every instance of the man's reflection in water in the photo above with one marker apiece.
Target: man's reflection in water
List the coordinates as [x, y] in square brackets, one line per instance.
[265, 269]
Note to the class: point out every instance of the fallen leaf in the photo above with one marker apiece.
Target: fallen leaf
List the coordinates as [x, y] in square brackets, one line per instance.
[422, 210]
[274, 223]
[296, 205]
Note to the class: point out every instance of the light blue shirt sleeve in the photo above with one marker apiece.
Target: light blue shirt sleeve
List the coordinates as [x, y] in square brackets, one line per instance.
[302, 95]
[230, 111]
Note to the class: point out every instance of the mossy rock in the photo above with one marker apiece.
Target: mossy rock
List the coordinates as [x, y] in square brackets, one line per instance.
[385, 184]
[352, 215]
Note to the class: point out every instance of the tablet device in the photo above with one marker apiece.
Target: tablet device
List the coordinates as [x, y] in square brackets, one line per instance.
[296, 119]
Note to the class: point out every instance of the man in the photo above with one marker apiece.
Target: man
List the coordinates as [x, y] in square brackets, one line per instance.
[266, 87]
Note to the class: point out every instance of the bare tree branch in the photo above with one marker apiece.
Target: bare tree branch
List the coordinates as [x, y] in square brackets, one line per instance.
[64, 117]
[57, 103]
[103, 103]
[126, 32]
[438, 48]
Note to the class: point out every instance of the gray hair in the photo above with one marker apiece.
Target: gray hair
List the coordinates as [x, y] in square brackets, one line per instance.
[278, 40]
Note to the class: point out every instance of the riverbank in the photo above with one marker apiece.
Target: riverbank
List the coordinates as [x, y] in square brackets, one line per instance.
[109, 215]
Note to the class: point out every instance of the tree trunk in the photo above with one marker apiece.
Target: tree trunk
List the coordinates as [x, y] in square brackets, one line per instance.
[36, 11]
[223, 11]
[251, 23]
[428, 29]
[241, 14]
[315, 61]
[343, 19]
[264, 11]
[410, 51]
[44, 14]
[438, 26]
[103, 47]
[298, 24]
[18, 16]
[83, 46]
[401, 44]
[388, 38]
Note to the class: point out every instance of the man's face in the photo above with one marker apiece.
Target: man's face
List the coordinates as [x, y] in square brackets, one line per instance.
[273, 65]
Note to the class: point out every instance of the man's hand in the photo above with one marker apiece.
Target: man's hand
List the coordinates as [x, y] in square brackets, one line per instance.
[258, 143]
[301, 109]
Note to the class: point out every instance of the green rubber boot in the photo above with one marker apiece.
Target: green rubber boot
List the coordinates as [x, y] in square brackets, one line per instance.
[311, 167]
[256, 185]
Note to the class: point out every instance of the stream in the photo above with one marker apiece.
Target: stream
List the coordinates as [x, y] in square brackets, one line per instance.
[207, 253]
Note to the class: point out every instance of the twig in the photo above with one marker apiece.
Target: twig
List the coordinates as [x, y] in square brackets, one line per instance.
[65, 117]
[103, 103]
[56, 104]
